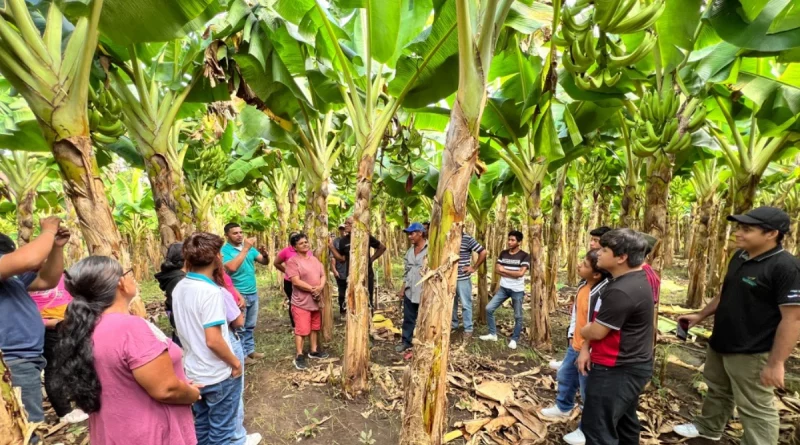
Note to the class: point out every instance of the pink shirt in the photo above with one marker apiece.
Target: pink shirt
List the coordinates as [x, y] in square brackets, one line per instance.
[310, 271]
[284, 256]
[229, 287]
[52, 303]
[128, 415]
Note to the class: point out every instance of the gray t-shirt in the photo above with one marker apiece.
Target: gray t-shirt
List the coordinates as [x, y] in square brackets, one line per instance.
[341, 266]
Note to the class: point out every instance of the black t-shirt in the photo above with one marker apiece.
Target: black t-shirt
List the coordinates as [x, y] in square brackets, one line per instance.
[625, 307]
[749, 311]
[344, 249]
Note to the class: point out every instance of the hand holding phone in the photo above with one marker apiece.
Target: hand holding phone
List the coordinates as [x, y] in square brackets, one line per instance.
[682, 330]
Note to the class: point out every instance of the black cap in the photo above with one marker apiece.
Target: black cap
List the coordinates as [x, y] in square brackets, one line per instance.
[766, 217]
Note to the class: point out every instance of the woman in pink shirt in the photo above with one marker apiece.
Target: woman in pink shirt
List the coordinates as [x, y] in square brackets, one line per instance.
[119, 368]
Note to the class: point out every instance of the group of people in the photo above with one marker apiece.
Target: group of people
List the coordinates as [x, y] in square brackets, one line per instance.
[136, 385]
[609, 359]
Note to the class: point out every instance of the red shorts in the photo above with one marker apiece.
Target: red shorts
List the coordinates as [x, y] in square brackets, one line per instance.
[305, 321]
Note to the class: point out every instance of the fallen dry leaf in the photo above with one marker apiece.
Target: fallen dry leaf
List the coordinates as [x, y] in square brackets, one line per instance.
[452, 435]
[473, 426]
[498, 391]
[500, 422]
[529, 419]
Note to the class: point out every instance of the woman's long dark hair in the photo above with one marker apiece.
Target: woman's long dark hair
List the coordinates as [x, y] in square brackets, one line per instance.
[92, 282]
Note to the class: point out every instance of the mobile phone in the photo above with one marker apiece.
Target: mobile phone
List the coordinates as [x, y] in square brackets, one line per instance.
[682, 330]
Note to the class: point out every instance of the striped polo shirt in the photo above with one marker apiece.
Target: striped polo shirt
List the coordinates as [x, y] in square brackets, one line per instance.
[468, 245]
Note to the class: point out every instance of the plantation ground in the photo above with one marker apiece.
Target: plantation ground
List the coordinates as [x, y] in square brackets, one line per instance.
[287, 406]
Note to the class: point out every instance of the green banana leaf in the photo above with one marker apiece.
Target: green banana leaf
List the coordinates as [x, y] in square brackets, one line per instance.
[24, 136]
[127, 21]
[768, 28]
[675, 30]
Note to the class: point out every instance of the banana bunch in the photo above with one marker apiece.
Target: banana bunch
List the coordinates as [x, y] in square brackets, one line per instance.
[663, 124]
[105, 116]
[596, 62]
[627, 16]
[212, 161]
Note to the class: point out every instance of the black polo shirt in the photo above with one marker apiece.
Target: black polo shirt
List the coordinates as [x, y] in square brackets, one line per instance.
[749, 307]
[344, 250]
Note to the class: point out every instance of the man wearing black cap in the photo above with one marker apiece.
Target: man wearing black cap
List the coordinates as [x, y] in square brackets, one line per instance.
[756, 326]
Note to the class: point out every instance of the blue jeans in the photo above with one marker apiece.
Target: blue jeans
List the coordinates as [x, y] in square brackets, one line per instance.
[569, 381]
[241, 432]
[463, 294]
[410, 312]
[502, 295]
[250, 320]
[215, 413]
[26, 373]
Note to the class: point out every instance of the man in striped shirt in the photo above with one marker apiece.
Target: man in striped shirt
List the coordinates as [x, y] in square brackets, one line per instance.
[464, 285]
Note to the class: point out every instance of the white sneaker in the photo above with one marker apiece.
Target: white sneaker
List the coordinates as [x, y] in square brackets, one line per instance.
[555, 365]
[512, 344]
[253, 439]
[554, 412]
[488, 337]
[75, 416]
[575, 438]
[690, 431]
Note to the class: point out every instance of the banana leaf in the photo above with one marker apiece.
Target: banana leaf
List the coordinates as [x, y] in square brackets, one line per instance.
[768, 31]
[127, 21]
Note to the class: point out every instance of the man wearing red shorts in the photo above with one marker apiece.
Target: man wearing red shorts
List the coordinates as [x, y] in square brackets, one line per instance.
[308, 280]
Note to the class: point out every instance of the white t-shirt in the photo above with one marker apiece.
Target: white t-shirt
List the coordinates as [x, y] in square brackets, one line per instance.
[197, 304]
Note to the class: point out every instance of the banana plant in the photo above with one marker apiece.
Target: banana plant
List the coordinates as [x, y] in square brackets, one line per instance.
[24, 172]
[150, 81]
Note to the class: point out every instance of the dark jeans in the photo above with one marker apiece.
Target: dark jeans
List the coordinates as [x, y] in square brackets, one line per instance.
[287, 289]
[54, 394]
[612, 395]
[26, 373]
[215, 413]
[341, 286]
[371, 289]
[410, 312]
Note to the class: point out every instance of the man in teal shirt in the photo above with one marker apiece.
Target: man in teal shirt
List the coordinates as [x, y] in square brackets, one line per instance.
[239, 257]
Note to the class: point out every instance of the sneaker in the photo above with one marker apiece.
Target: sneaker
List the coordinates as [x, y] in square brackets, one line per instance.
[555, 365]
[402, 348]
[488, 337]
[689, 430]
[300, 362]
[253, 439]
[250, 361]
[256, 355]
[318, 354]
[554, 412]
[575, 438]
[466, 337]
[75, 416]
[512, 344]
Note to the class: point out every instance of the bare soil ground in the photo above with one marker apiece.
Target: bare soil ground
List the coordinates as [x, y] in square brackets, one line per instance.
[288, 406]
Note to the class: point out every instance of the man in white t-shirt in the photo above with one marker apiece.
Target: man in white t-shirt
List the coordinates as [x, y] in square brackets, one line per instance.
[511, 267]
[199, 310]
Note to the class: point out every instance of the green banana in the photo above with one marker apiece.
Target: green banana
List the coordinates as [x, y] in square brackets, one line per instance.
[602, 16]
[115, 128]
[581, 59]
[697, 119]
[644, 18]
[611, 80]
[94, 118]
[103, 139]
[571, 67]
[615, 49]
[634, 57]
[622, 12]
[582, 83]
[570, 23]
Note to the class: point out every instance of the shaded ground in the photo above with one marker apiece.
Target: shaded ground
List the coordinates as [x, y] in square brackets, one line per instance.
[288, 406]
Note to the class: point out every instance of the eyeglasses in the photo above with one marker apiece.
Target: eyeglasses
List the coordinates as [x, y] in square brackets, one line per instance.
[128, 271]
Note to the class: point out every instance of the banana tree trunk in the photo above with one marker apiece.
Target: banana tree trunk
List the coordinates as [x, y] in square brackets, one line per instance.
[283, 218]
[575, 224]
[75, 250]
[603, 209]
[170, 197]
[540, 317]
[795, 238]
[84, 187]
[294, 216]
[13, 421]
[386, 258]
[483, 285]
[317, 204]
[356, 360]
[655, 215]
[699, 254]
[628, 215]
[500, 228]
[426, 379]
[554, 241]
[593, 217]
[718, 263]
[669, 245]
[25, 217]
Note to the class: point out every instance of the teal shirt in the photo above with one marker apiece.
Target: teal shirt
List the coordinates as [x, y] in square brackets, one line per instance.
[244, 279]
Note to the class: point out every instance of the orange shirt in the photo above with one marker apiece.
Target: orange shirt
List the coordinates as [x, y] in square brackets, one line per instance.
[581, 315]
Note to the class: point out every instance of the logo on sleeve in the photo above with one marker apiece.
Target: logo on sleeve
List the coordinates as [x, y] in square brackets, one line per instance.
[794, 293]
[751, 281]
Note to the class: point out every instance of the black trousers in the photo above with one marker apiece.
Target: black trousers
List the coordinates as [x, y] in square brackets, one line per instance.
[410, 312]
[612, 395]
[341, 286]
[54, 394]
[287, 289]
[371, 289]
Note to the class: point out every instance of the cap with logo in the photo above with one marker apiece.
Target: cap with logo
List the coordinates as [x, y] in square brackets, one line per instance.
[414, 227]
[766, 217]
